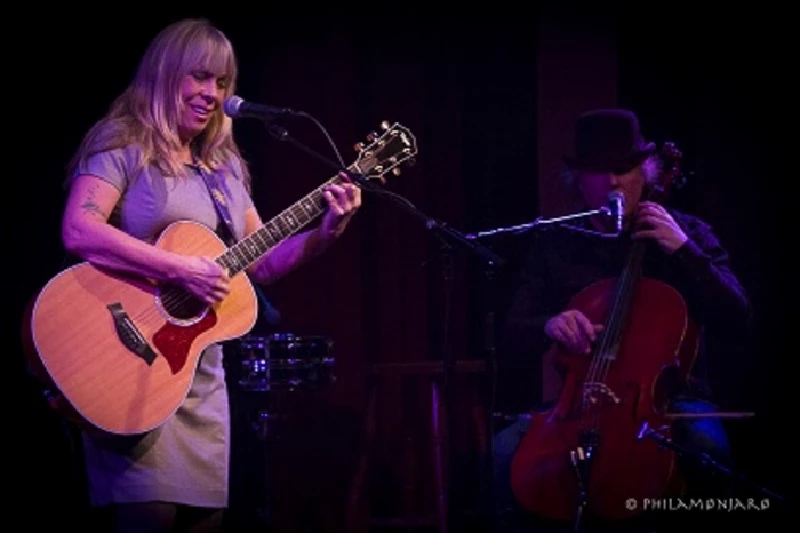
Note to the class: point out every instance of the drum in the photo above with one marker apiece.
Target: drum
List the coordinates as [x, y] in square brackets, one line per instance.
[284, 361]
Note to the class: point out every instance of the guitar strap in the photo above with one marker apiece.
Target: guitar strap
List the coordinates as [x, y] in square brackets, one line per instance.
[225, 228]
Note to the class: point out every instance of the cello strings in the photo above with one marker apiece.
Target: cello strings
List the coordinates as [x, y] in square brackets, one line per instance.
[601, 362]
[627, 281]
[600, 365]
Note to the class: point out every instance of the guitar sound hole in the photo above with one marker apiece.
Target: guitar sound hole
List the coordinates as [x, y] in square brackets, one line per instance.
[181, 304]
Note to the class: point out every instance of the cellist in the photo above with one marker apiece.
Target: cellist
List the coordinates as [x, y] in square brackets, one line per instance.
[611, 154]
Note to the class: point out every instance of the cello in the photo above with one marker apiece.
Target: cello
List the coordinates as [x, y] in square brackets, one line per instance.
[584, 455]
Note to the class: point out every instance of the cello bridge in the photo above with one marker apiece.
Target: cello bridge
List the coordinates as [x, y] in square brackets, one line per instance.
[595, 392]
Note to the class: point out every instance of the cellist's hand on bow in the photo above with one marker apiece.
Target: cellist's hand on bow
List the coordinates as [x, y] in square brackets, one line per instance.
[654, 222]
[572, 329]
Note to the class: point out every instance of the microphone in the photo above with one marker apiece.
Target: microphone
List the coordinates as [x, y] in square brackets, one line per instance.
[616, 207]
[236, 107]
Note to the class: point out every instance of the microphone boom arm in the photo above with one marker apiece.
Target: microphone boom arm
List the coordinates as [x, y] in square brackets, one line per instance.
[431, 224]
[540, 221]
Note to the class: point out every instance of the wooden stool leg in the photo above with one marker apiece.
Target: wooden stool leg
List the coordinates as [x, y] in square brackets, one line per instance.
[437, 437]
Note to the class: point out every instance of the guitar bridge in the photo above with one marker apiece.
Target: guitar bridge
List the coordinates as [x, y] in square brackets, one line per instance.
[130, 336]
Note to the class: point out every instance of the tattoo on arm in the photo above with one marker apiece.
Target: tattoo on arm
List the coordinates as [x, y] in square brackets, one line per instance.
[90, 206]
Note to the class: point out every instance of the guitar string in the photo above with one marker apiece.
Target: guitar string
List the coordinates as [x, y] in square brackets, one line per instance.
[182, 297]
[178, 296]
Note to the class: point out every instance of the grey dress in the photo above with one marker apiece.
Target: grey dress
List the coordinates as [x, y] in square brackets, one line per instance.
[185, 460]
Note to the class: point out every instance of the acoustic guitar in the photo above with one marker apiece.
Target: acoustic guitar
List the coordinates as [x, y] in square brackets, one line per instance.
[117, 354]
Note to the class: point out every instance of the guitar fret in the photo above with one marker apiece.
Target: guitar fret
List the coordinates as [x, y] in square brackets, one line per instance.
[273, 230]
[300, 214]
[234, 260]
[228, 261]
[250, 253]
[307, 205]
[249, 249]
[260, 238]
[290, 220]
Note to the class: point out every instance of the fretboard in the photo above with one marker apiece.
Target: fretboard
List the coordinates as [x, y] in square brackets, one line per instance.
[291, 220]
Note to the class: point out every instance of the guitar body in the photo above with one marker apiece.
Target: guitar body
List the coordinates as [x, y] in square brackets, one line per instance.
[117, 354]
[85, 324]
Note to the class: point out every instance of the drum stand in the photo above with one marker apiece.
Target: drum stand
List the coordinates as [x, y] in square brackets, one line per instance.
[267, 427]
[260, 412]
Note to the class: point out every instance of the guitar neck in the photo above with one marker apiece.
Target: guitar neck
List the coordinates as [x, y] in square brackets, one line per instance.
[291, 220]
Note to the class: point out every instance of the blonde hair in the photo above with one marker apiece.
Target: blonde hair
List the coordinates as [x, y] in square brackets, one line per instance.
[148, 111]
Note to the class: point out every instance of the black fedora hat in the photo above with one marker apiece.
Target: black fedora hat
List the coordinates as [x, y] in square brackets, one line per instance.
[609, 140]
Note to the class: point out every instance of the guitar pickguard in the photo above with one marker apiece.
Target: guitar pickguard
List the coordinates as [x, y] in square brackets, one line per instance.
[174, 341]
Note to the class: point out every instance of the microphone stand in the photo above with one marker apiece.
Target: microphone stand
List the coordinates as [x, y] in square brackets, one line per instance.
[444, 232]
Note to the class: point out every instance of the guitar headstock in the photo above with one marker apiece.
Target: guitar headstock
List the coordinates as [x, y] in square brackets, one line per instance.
[385, 152]
[670, 177]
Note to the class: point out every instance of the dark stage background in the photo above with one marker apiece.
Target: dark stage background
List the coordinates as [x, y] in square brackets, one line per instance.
[491, 101]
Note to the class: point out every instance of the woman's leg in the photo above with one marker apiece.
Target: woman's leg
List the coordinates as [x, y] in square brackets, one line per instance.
[199, 520]
[146, 517]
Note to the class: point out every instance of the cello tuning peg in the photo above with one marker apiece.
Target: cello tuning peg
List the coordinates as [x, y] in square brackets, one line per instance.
[396, 171]
[385, 125]
[372, 136]
[411, 162]
[359, 146]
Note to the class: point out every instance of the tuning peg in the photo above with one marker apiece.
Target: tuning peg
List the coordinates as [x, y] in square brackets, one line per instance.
[411, 162]
[359, 146]
[396, 171]
[385, 125]
[372, 136]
